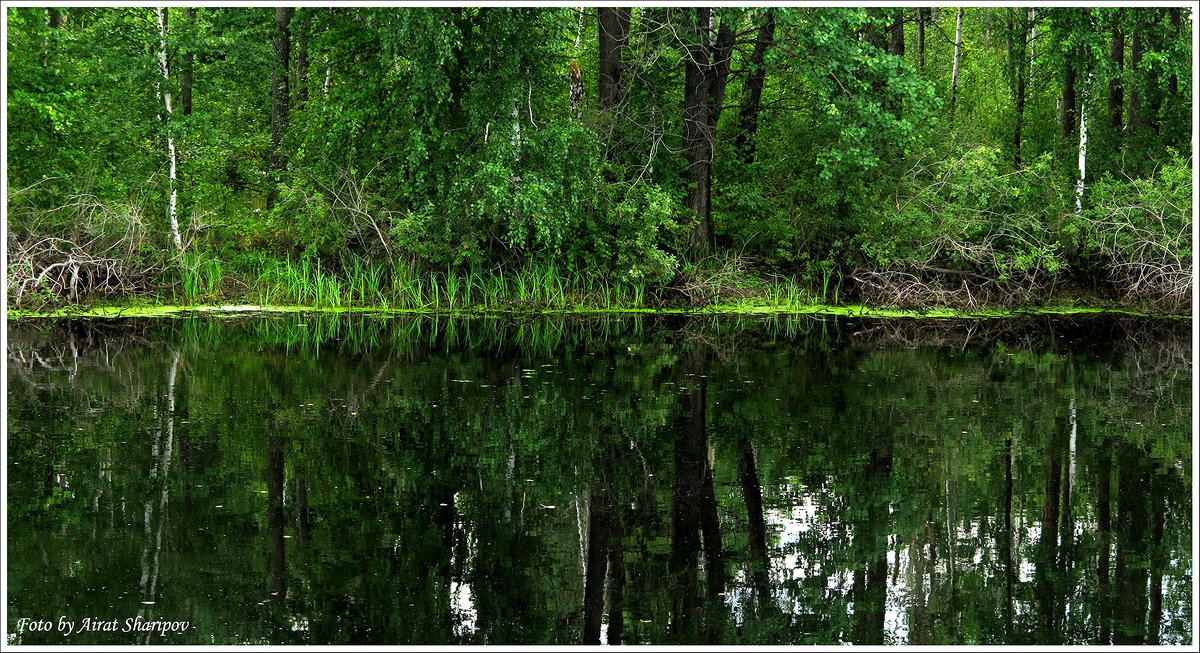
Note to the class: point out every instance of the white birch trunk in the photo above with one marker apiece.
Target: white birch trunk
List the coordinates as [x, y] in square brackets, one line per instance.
[1074, 433]
[164, 91]
[957, 59]
[515, 138]
[1082, 147]
[325, 86]
[1032, 41]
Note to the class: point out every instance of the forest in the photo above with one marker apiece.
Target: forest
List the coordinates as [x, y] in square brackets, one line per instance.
[599, 158]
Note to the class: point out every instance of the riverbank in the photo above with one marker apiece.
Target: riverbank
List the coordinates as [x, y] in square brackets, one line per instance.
[283, 286]
[145, 310]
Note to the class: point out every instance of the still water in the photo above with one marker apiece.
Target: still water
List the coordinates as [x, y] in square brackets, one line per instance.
[362, 479]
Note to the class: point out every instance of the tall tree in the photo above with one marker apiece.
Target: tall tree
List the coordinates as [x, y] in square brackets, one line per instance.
[613, 36]
[752, 88]
[302, 62]
[1068, 98]
[164, 91]
[958, 43]
[1116, 92]
[896, 34]
[1020, 70]
[279, 86]
[706, 70]
[895, 47]
[189, 65]
[921, 13]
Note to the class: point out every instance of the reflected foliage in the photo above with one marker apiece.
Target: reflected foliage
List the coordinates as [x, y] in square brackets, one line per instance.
[361, 479]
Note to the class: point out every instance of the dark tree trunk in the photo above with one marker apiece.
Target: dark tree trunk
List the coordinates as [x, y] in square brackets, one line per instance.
[1176, 17]
[1020, 119]
[757, 525]
[697, 141]
[870, 587]
[1006, 548]
[189, 64]
[1136, 119]
[302, 64]
[303, 522]
[921, 14]
[896, 34]
[613, 24]
[718, 76]
[1018, 35]
[694, 513]
[616, 588]
[1047, 565]
[756, 75]
[1157, 558]
[277, 555]
[895, 47]
[55, 18]
[1131, 561]
[279, 86]
[599, 518]
[1154, 33]
[1116, 92]
[705, 74]
[1070, 127]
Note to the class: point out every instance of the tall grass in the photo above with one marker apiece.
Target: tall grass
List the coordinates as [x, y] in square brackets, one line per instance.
[304, 283]
[202, 277]
[540, 286]
[360, 283]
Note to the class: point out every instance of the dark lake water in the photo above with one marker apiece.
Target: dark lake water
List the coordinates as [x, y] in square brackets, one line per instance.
[331, 480]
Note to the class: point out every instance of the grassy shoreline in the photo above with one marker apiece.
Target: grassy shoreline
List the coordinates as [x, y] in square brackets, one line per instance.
[284, 286]
[152, 310]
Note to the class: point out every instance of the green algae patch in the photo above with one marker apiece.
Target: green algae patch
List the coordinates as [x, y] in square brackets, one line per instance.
[851, 310]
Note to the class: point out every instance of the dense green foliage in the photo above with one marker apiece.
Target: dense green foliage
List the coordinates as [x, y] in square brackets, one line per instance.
[837, 147]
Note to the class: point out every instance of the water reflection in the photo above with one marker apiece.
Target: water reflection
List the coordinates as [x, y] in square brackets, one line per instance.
[307, 479]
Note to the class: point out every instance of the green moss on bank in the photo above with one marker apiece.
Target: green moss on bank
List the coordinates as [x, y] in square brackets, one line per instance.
[852, 310]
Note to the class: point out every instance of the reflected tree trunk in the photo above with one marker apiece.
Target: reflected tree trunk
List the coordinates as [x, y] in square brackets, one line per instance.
[1066, 555]
[616, 587]
[162, 449]
[1130, 573]
[760, 562]
[870, 602]
[599, 521]
[1047, 569]
[694, 514]
[1157, 558]
[1103, 534]
[278, 562]
[303, 523]
[920, 629]
[1006, 545]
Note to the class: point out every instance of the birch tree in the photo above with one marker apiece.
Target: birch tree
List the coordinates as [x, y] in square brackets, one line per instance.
[164, 92]
[957, 60]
